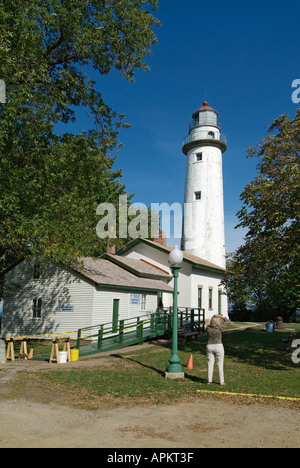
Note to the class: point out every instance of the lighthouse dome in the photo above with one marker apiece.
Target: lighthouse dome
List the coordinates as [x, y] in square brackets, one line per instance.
[205, 127]
[206, 115]
[205, 106]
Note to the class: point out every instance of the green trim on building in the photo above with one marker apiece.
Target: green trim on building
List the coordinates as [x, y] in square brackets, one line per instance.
[132, 270]
[166, 251]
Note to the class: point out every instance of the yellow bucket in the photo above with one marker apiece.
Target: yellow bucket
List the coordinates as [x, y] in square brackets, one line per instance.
[74, 354]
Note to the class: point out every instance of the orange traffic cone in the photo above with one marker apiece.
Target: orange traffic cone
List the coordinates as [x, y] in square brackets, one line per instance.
[30, 355]
[190, 363]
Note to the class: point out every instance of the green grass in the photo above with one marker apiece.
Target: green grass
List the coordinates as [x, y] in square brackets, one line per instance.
[254, 363]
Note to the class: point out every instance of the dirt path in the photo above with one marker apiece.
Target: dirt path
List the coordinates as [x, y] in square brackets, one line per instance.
[199, 424]
[190, 425]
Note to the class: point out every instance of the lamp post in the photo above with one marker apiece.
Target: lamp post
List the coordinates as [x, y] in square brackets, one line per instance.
[174, 370]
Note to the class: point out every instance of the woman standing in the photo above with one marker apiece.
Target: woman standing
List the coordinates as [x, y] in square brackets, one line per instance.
[215, 348]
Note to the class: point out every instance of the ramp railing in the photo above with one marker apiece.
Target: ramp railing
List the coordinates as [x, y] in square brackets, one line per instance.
[107, 336]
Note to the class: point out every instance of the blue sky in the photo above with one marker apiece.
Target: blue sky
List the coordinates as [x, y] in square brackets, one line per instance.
[242, 57]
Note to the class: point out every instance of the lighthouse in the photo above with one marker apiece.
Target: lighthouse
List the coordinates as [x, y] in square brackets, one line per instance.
[203, 224]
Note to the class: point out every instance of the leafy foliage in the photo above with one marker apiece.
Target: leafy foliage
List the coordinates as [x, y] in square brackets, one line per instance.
[264, 271]
[51, 183]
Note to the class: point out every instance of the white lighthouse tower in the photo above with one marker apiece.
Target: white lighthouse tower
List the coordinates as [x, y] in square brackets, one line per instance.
[203, 226]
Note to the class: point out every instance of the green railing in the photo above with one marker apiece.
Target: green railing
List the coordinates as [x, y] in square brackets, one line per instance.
[104, 337]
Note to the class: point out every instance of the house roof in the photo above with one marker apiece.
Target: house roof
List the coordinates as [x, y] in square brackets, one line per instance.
[140, 268]
[118, 272]
[197, 262]
[107, 273]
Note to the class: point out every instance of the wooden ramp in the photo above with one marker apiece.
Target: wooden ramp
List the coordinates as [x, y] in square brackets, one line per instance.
[112, 336]
[108, 337]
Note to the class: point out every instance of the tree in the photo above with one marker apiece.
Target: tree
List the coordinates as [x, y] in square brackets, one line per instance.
[265, 269]
[51, 183]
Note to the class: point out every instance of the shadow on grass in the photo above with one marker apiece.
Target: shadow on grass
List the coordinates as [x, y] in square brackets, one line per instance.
[195, 379]
[254, 347]
[136, 361]
[192, 378]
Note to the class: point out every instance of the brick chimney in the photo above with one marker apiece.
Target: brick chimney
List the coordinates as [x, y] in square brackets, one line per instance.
[160, 237]
[111, 249]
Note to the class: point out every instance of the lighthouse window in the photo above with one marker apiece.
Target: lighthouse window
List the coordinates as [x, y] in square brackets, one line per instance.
[199, 156]
[211, 134]
[197, 195]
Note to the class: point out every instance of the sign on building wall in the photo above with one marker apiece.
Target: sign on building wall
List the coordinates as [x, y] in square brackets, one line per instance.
[135, 299]
[67, 309]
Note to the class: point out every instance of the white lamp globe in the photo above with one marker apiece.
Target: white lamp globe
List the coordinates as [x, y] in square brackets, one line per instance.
[176, 256]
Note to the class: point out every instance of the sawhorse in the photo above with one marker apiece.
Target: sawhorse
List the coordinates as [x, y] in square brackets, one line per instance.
[55, 350]
[10, 351]
[23, 349]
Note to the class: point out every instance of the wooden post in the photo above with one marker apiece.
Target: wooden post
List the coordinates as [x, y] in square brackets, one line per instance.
[10, 352]
[67, 348]
[54, 351]
[140, 332]
[100, 337]
[121, 331]
[181, 318]
[156, 323]
[23, 349]
[78, 339]
[152, 325]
